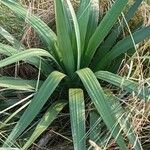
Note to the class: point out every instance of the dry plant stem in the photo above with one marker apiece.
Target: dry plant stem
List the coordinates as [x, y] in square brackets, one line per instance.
[94, 145]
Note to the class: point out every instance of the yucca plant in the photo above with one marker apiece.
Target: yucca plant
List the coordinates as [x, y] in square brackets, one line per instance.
[83, 51]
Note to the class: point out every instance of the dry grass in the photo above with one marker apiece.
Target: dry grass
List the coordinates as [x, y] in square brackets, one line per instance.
[139, 65]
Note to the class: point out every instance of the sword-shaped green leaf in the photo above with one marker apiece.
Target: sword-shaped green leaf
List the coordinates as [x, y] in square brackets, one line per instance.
[103, 29]
[77, 116]
[125, 84]
[63, 36]
[45, 121]
[100, 101]
[9, 51]
[18, 84]
[35, 106]
[77, 33]
[123, 46]
[112, 37]
[23, 55]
